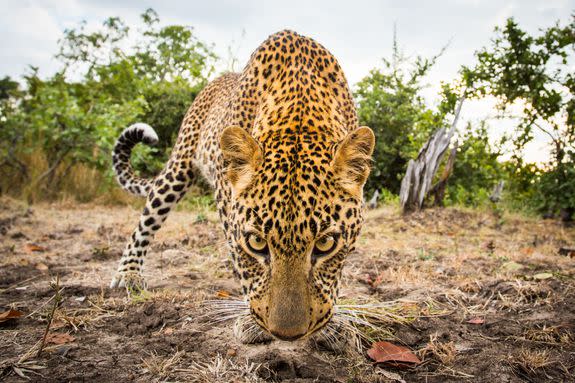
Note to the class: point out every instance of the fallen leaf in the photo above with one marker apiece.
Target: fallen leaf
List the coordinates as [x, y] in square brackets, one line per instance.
[231, 352]
[527, 250]
[41, 266]
[511, 266]
[59, 338]
[10, 314]
[222, 294]
[476, 320]
[393, 355]
[542, 276]
[168, 331]
[31, 247]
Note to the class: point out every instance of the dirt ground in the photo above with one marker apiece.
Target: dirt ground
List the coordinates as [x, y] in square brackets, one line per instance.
[478, 297]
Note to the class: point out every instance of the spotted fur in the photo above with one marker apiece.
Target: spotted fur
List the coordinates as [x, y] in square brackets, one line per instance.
[281, 146]
[121, 158]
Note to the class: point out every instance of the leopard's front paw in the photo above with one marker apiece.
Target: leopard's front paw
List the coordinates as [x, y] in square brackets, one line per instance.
[132, 281]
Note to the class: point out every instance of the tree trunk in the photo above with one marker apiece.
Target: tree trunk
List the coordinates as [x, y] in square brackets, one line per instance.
[416, 184]
[438, 190]
[496, 193]
[372, 203]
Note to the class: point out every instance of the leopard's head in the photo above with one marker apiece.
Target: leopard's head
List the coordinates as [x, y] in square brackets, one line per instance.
[295, 214]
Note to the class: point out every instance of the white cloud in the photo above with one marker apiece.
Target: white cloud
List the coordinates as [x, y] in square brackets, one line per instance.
[30, 34]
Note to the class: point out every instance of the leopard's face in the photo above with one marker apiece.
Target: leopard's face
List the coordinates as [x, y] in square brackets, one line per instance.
[289, 254]
[291, 227]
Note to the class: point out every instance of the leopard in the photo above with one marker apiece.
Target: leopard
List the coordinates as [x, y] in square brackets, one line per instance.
[281, 146]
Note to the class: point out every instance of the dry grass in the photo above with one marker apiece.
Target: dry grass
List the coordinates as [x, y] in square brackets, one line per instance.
[70, 182]
[531, 361]
[75, 182]
[553, 335]
[443, 352]
[223, 370]
[81, 319]
[463, 246]
[414, 281]
[370, 322]
[160, 367]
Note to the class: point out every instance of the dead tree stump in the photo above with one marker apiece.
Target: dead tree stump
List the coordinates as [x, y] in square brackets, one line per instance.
[416, 184]
[372, 203]
[497, 191]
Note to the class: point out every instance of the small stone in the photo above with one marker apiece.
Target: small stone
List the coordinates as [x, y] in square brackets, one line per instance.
[542, 276]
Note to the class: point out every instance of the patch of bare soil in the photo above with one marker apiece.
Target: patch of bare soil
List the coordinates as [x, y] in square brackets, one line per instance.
[476, 297]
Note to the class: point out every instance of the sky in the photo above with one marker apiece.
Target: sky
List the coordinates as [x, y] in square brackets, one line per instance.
[359, 33]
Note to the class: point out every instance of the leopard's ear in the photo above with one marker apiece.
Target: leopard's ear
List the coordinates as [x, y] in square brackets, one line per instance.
[352, 160]
[242, 155]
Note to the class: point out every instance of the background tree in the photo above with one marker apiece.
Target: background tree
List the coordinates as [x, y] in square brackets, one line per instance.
[167, 67]
[105, 84]
[535, 73]
[10, 164]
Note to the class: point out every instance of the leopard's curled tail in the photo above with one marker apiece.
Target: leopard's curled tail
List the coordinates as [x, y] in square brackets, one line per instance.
[131, 136]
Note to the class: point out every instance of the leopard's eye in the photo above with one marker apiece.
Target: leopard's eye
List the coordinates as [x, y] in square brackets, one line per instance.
[256, 244]
[325, 245]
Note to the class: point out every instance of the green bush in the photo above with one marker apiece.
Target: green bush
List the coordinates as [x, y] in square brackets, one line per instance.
[51, 125]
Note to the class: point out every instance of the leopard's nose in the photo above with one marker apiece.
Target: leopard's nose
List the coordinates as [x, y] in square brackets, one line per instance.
[288, 318]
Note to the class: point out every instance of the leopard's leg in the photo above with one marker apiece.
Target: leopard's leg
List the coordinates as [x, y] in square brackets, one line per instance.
[166, 190]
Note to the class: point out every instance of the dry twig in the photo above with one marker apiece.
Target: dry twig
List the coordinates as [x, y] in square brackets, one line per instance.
[55, 285]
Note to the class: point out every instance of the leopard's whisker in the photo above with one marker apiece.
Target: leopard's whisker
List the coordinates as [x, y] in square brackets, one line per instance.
[248, 330]
[253, 331]
[225, 310]
[221, 305]
[229, 316]
[352, 324]
[378, 312]
[329, 336]
[226, 302]
[225, 318]
[213, 309]
[347, 324]
[354, 319]
[222, 314]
